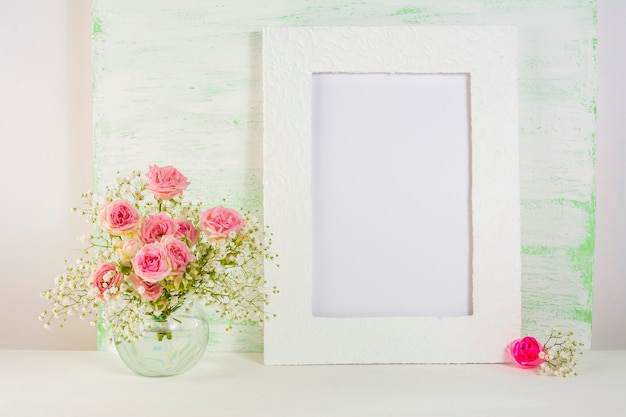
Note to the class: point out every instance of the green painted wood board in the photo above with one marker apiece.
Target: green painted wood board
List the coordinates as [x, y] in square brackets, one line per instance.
[180, 83]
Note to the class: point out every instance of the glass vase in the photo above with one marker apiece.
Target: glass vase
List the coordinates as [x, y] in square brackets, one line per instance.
[170, 347]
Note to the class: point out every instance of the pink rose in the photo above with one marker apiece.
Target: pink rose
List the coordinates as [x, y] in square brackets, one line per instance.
[527, 352]
[166, 182]
[151, 263]
[106, 277]
[150, 290]
[119, 218]
[177, 252]
[219, 222]
[129, 248]
[186, 230]
[156, 226]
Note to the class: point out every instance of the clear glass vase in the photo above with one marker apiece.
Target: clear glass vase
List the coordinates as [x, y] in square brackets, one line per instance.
[169, 347]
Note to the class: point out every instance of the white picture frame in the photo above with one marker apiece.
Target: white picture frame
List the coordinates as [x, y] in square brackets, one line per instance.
[487, 54]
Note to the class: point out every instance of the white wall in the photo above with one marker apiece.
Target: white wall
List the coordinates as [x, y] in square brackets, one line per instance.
[45, 161]
[609, 315]
[45, 128]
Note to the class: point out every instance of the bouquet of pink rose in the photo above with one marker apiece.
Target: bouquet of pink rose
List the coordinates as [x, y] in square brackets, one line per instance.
[152, 254]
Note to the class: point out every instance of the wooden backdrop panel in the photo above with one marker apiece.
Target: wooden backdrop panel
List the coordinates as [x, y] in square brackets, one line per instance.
[180, 83]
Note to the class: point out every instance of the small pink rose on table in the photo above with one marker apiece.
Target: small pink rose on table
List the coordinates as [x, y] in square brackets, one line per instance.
[166, 182]
[219, 222]
[105, 278]
[527, 352]
[151, 263]
[119, 218]
[156, 226]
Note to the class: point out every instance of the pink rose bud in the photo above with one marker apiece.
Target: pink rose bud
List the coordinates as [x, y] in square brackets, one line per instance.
[178, 253]
[156, 226]
[219, 222]
[129, 248]
[166, 182]
[148, 290]
[151, 263]
[106, 277]
[119, 218]
[527, 352]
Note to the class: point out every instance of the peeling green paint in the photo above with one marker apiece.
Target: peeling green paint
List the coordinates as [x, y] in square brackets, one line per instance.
[97, 25]
[582, 256]
[409, 11]
[538, 250]
[586, 206]
[582, 315]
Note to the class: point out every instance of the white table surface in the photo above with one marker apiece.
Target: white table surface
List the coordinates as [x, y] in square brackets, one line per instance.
[81, 383]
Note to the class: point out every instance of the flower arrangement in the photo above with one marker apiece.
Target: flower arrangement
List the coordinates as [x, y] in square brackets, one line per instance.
[558, 355]
[152, 254]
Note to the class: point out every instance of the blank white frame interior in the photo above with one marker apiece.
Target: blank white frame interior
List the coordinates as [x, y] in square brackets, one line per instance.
[487, 56]
[399, 216]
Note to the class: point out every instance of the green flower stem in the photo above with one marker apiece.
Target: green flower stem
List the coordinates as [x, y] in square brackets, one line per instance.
[161, 335]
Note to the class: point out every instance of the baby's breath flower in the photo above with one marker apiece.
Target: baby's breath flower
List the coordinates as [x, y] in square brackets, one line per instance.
[562, 354]
[226, 275]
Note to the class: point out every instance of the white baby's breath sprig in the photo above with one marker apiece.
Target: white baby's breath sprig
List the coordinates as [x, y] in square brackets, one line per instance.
[561, 354]
[225, 274]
